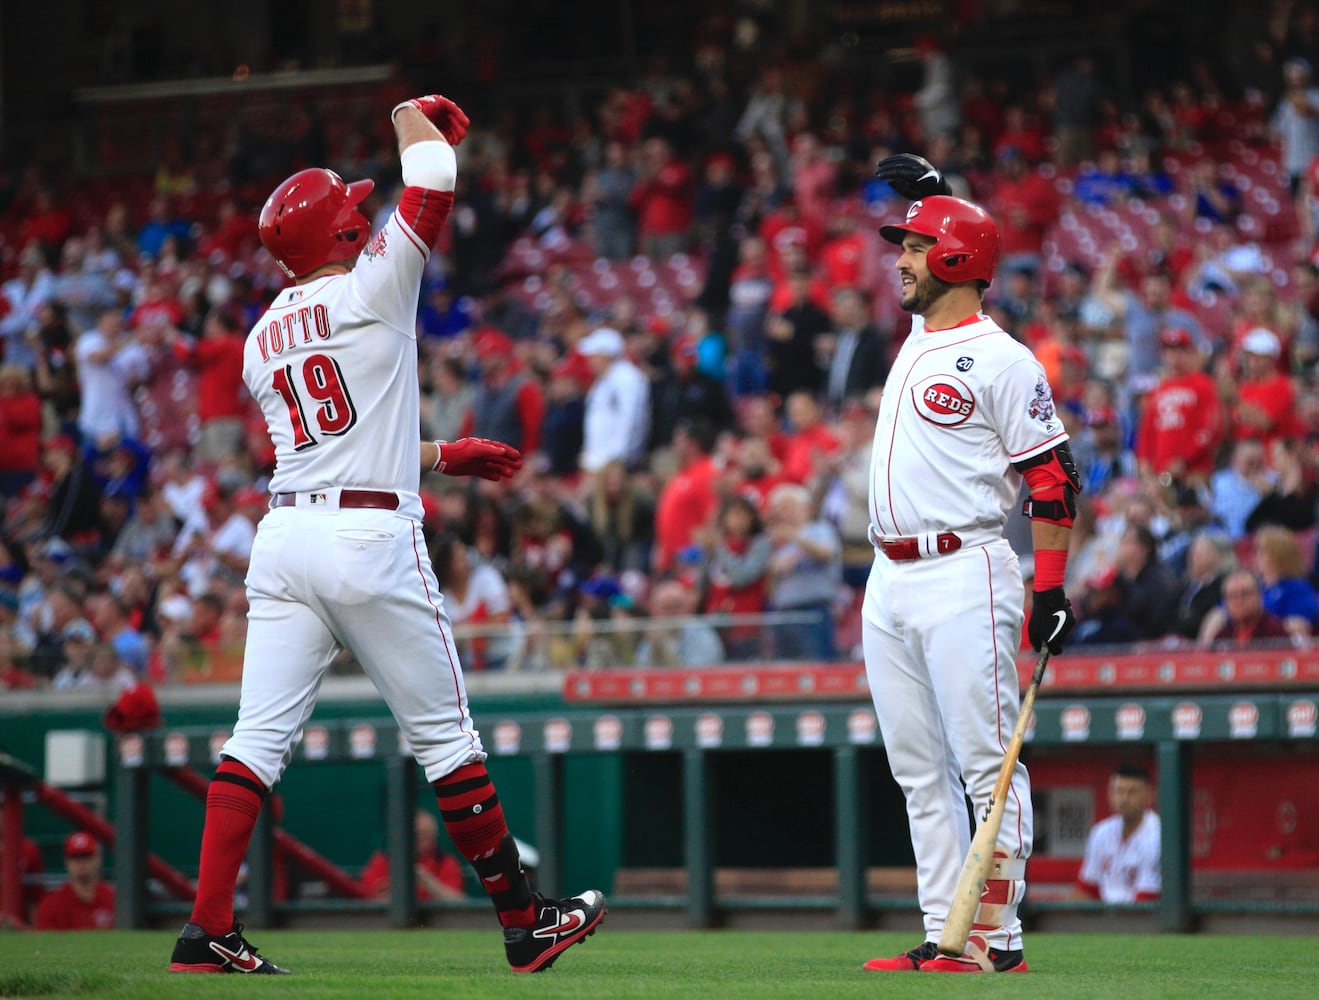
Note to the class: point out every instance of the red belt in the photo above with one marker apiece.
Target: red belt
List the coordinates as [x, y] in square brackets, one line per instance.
[347, 498]
[903, 549]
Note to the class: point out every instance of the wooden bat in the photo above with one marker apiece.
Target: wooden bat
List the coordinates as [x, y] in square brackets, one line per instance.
[979, 860]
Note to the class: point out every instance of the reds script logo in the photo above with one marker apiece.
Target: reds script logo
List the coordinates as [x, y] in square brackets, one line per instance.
[943, 399]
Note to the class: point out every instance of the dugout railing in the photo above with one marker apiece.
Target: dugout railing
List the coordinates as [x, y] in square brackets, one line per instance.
[694, 740]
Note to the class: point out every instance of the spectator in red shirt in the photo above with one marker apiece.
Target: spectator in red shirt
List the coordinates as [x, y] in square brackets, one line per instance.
[1181, 424]
[158, 308]
[1025, 203]
[20, 429]
[438, 874]
[508, 405]
[85, 902]
[1020, 133]
[1241, 619]
[222, 406]
[810, 441]
[849, 259]
[48, 223]
[688, 500]
[1265, 397]
[663, 200]
[791, 237]
[754, 471]
[232, 236]
[737, 573]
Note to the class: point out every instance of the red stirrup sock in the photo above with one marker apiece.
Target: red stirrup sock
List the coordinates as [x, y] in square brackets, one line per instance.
[233, 801]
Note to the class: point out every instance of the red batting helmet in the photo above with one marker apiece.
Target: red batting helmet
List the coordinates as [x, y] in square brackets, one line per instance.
[312, 219]
[965, 238]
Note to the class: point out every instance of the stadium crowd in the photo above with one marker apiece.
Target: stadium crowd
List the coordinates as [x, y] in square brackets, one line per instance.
[676, 304]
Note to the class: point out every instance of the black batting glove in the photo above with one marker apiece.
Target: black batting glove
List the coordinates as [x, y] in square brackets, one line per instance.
[914, 177]
[1051, 620]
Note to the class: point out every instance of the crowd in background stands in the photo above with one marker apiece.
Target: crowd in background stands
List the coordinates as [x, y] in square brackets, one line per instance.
[702, 456]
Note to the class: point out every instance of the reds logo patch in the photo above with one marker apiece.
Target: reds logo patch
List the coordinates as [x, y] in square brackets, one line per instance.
[376, 246]
[1041, 407]
[943, 399]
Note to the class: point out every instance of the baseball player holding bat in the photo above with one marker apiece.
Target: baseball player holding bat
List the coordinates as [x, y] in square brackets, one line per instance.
[966, 415]
[340, 561]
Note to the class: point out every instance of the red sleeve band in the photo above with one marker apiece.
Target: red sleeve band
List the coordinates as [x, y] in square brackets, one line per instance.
[425, 212]
[1050, 568]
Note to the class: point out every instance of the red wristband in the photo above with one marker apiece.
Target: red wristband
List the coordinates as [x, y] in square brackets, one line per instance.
[1050, 568]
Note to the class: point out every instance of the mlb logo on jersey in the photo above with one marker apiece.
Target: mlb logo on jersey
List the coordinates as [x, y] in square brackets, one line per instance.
[943, 399]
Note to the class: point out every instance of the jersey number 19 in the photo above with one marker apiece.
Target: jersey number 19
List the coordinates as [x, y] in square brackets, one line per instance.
[322, 382]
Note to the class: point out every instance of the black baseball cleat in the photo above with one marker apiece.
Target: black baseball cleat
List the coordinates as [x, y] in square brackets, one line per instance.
[560, 924]
[908, 961]
[197, 951]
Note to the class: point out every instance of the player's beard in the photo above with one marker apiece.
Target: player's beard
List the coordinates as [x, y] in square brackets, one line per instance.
[927, 290]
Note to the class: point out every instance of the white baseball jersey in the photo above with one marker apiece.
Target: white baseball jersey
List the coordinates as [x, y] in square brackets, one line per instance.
[333, 364]
[1122, 869]
[959, 407]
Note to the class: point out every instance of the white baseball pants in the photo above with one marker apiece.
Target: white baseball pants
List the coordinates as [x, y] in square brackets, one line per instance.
[940, 637]
[360, 579]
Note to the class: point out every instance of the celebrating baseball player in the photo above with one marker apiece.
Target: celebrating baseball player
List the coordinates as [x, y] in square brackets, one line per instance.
[966, 414]
[340, 562]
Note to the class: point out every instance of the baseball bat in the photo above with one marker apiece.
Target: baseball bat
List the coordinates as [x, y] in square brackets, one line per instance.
[979, 860]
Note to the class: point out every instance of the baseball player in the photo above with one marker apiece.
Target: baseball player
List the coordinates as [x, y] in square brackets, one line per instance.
[86, 901]
[340, 561]
[1121, 863]
[966, 414]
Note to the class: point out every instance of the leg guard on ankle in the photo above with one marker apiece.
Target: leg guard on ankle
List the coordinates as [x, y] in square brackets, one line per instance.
[504, 868]
[1004, 890]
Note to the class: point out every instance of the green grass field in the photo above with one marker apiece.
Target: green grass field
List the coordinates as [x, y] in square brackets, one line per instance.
[469, 965]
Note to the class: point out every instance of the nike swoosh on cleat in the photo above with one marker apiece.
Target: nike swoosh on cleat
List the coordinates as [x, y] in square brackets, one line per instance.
[244, 960]
[568, 923]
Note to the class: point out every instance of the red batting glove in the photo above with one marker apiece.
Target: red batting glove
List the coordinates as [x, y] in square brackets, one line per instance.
[440, 112]
[477, 457]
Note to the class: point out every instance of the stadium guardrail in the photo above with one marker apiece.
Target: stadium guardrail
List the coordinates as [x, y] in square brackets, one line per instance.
[1170, 725]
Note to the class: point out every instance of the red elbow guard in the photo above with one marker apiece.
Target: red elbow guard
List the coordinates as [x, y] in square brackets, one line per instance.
[1053, 486]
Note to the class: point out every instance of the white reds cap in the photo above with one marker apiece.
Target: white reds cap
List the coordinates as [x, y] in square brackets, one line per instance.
[606, 341]
[1262, 341]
